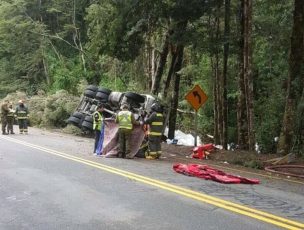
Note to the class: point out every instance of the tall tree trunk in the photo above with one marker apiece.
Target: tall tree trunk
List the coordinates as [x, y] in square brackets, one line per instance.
[46, 73]
[77, 38]
[224, 77]
[216, 137]
[216, 134]
[174, 104]
[241, 105]
[218, 91]
[150, 58]
[218, 75]
[295, 78]
[153, 67]
[161, 65]
[174, 55]
[248, 72]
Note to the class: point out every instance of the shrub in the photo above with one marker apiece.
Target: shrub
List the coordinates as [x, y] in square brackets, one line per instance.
[58, 108]
[71, 129]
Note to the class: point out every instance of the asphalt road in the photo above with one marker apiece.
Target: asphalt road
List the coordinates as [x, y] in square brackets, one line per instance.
[52, 181]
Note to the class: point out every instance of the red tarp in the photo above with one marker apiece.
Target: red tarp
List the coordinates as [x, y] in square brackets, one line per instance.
[110, 144]
[201, 151]
[208, 173]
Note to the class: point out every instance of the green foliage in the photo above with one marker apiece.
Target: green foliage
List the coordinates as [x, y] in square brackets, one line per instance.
[66, 76]
[110, 30]
[253, 164]
[36, 107]
[58, 108]
[20, 46]
[250, 160]
[46, 111]
[271, 67]
[56, 45]
[71, 129]
[269, 113]
[13, 98]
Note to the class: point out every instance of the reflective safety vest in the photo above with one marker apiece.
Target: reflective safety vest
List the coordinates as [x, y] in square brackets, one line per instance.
[97, 121]
[156, 126]
[125, 120]
[22, 112]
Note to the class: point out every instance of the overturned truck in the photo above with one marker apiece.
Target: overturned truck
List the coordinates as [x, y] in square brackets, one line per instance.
[139, 104]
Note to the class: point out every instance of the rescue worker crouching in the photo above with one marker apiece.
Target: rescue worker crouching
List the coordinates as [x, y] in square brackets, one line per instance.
[10, 120]
[125, 120]
[156, 123]
[22, 115]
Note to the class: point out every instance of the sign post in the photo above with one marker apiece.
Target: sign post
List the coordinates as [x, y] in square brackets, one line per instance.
[196, 98]
[195, 129]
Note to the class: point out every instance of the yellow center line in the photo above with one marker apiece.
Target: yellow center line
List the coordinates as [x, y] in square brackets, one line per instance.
[237, 208]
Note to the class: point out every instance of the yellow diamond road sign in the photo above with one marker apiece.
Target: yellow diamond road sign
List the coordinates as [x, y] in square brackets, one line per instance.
[196, 97]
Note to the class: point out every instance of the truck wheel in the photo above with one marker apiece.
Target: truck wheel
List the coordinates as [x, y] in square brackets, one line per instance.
[101, 96]
[88, 119]
[135, 97]
[87, 125]
[78, 115]
[89, 93]
[104, 90]
[74, 121]
[93, 88]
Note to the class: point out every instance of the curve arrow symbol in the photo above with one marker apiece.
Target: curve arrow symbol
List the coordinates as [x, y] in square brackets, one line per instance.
[196, 94]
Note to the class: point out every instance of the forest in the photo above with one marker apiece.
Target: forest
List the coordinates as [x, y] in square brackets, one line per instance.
[247, 55]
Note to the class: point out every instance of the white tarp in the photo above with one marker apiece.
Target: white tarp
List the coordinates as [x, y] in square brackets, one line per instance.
[183, 138]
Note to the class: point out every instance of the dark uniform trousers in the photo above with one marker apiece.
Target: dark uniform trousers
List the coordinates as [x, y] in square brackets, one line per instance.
[10, 123]
[4, 123]
[22, 125]
[124, 136]
[154, 146]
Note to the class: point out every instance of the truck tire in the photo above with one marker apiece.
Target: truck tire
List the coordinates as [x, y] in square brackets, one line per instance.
[78, 115]
[74, 121]
[89, 93]
[135, 97]
[89, 119]
[93, 88]
[101, 96]
[104, 90]
[87, 125]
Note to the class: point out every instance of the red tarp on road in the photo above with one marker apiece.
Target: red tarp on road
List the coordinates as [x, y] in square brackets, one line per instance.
[208, 173]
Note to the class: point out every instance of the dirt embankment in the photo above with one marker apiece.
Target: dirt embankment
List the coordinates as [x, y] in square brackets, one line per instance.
[248, 159]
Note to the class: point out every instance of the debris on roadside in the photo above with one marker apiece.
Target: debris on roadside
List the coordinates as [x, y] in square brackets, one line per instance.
[181, 138]
[208, 173]
[203, 151]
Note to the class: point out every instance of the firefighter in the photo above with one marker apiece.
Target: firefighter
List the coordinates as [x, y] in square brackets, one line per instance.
[10, 120]
[156, 123]
[22, 117]
[125, 119]
[4, 112]
[98, 128]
